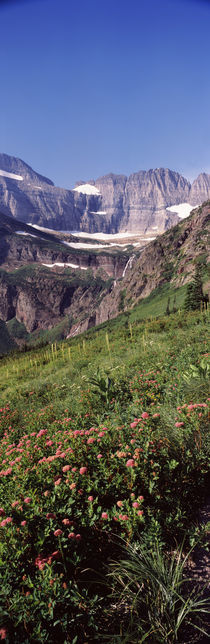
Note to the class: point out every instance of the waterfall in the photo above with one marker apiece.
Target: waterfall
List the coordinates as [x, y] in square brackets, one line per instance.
[129, 264]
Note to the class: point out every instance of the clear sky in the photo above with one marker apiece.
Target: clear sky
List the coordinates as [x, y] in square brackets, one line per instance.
[93, 87]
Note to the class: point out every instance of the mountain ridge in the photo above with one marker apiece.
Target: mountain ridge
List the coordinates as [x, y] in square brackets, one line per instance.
[135, 203]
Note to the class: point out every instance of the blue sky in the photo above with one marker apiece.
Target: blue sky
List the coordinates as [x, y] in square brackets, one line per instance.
[93, 87]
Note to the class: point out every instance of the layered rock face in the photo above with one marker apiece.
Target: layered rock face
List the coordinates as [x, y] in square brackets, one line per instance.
[140, 201]
[111, 204]
[200, 189]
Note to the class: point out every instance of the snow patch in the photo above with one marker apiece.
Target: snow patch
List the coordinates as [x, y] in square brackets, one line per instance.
[98, 212]
[11, 175]
[87, 189]
[22, 232]
[34, 187]
[66, 265]
[182, 209]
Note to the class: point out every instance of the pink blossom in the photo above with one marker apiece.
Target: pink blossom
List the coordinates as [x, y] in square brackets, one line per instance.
[90, 498]
[50, 515]
[99, 456]
[27, 499]
[130, 462]
[133, 425]
[23, 523]
[3, 633]
[2, 512]
[141, 498]
[104, 515]
[179, 424]
[57, 533]
[119, 504]
[58, 482]
[145, 414]
[78, 537]
[66, 468]
[140, 512]
[135, 504]
[83, 470]
[71, 535]
[66, 521]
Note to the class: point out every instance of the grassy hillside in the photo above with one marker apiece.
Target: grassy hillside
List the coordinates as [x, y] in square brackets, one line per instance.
[103, 438]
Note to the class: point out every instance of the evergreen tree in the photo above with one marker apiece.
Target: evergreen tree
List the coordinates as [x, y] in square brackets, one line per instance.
[195, 297]
[168, 307]
[174, 310]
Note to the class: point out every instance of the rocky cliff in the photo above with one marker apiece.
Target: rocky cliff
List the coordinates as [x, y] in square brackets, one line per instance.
[40, 299]
[110, 204]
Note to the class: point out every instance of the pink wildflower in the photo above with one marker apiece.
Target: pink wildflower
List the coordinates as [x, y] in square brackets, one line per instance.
[3, 633]
[130, 462]
[57, 533]
[83, 470]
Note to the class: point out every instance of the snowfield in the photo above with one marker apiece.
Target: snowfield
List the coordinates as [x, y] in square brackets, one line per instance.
[66, 265]
[182, 209]
[10, 175]
[87, 189]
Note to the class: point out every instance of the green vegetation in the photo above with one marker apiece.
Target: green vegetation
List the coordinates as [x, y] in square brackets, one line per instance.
[104, 438]
[17, 329]
[6, 342]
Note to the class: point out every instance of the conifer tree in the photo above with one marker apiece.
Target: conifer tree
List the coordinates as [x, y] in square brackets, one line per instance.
[168, 307]
[195, 296]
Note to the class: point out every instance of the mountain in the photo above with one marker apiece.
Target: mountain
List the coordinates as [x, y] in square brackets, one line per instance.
[168, 260]
[141, 202]
[40, 297]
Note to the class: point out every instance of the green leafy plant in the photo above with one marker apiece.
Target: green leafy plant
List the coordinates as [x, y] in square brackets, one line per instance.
[197, 371]
[104, 385]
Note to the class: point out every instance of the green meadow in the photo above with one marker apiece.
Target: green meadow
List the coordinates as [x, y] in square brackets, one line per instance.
[104, 458]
